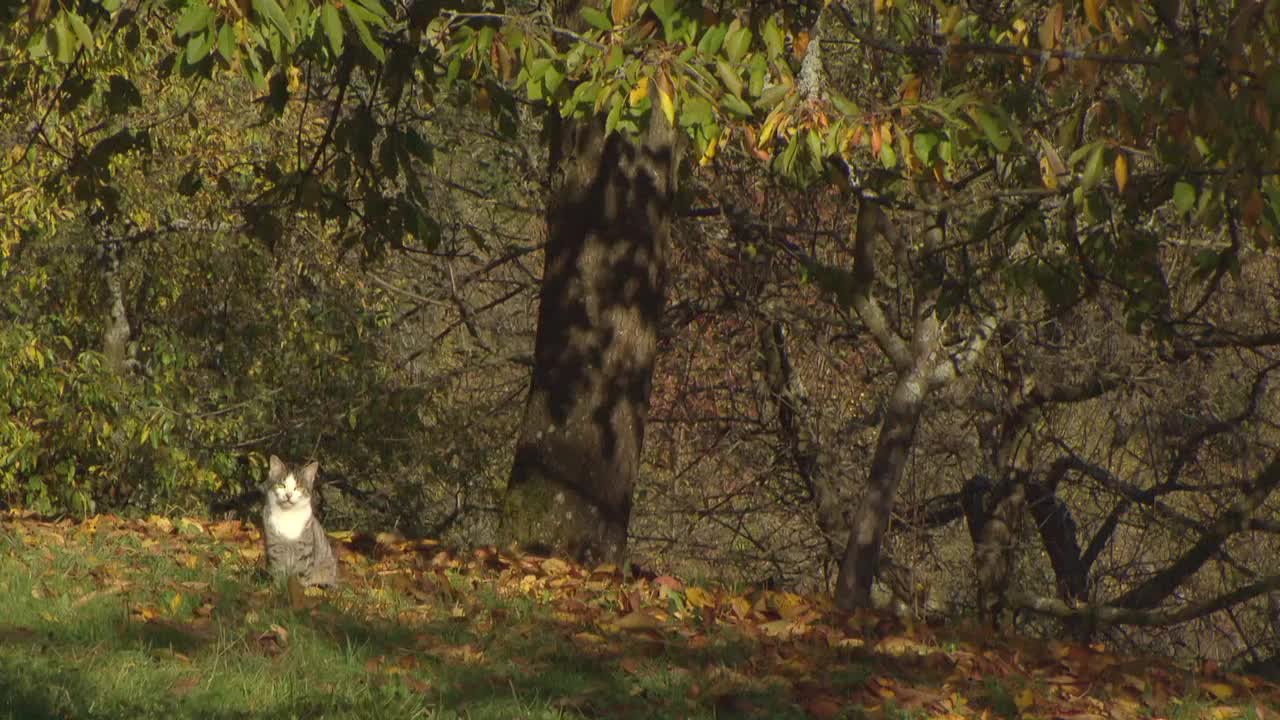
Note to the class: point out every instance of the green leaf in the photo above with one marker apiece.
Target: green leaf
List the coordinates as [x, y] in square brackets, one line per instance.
[227, 42]
[198, 47]
[735, 105]
[995, 134]
[81, 30]
[553, 78]
[270, 10]
[759, 70]
[64, 45]
[332, 24]
[194, 18]
[695, 111]
[736, 42]
[712, 40]
[663, 9]
[614, 116]
[484, 40]
[923, 144]
[374, 8]
[1093, 168]
[614, 60]
[729, 76]
[842, 103]
[1184, 197]
[772, 39]
[366, 37]
[596, 19]
[888, 158]
[770, 98]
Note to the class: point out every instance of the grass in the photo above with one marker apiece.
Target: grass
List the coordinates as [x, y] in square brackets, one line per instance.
[114, 618]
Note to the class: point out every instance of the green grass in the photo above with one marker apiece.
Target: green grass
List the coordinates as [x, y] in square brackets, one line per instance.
[120, 625]
[144, 619]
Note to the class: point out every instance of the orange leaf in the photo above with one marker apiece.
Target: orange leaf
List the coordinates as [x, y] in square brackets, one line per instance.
[1122, 171]
[801, 44]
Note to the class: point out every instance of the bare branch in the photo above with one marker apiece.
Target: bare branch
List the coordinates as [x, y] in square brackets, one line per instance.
[1235, 519]
[1113, 615]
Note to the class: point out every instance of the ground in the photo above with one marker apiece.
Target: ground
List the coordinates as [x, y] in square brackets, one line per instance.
[159, 618]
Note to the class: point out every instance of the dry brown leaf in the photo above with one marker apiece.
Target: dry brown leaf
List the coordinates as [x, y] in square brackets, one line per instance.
[638, 620]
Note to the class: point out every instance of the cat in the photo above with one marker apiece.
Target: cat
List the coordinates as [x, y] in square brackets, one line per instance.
[296, 544]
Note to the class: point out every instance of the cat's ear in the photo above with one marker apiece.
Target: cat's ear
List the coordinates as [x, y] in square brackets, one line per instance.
[309, 474]
[277, 470]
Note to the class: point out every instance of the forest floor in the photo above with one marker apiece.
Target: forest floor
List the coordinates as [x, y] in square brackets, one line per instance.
[160, 618]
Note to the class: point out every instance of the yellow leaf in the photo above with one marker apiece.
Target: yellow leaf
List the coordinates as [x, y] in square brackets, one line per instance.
[639, 92]
[586, 638]
[1122, 171]
[952, 18]
[1093, 11]
[698, 597]
[1024, 700]
[668, 102]
[789, 605]
[1221, 691]
[175, 603]
[555, 566]
[621, 10]
[769, 127]
[1047, 175]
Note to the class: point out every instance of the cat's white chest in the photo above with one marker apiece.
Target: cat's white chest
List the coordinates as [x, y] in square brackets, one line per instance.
[289, 523]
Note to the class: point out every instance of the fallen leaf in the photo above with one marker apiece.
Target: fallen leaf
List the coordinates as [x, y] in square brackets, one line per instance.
[1218, 690]
[638, 620]
[668, 582]
[555, 566]
[699, 598]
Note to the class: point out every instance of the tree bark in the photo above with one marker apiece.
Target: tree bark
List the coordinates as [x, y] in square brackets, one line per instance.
[923, 365]
[116, 333]
[861, 559]
[578, 454]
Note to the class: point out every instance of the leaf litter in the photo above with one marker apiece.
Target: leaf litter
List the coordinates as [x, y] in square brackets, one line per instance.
[729, 651]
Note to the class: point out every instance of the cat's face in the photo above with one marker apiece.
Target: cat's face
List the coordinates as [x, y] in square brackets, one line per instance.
[288, 487]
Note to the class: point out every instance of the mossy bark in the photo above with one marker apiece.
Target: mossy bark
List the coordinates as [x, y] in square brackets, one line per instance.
[578, 455]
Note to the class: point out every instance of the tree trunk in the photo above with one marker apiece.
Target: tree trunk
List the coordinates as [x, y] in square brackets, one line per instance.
[861, 559]
[116, 333]
[922, 365]
[578, 455]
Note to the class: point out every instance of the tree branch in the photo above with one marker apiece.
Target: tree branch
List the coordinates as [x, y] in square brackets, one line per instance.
[1235, 519]
[871, 222]
[1113, 615]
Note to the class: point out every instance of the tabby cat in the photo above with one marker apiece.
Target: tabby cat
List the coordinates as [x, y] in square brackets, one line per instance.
[296, 544]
